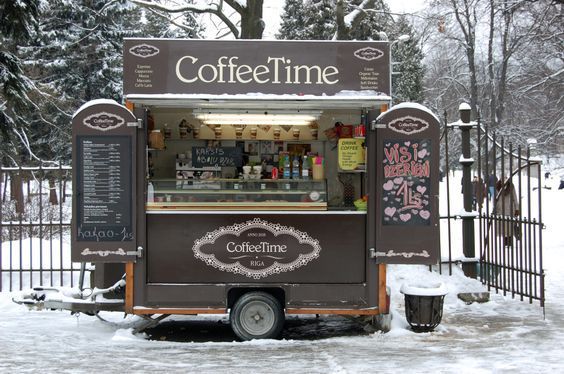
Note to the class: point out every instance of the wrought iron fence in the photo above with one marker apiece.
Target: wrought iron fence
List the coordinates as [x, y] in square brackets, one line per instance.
[507, 195]
[35, 212]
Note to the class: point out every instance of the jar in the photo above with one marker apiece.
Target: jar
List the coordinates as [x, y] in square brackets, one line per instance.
[167, 132]
[156, 139]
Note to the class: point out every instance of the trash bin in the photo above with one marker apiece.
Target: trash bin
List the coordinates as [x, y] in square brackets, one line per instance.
[424, 305]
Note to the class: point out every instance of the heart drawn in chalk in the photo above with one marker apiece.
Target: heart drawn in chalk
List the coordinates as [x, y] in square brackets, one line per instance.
[398, 180]
[422, 153]
[390, 211]
[407, 143]
[405, 217]
[421, 189]
[388, 185]
[425, 214]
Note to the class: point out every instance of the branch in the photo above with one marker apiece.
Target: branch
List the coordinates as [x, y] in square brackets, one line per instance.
[529, 88]
[174, 22]
[215, 9]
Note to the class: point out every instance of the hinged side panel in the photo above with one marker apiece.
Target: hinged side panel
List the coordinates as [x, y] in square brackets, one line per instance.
[404, 187]
[103, 149]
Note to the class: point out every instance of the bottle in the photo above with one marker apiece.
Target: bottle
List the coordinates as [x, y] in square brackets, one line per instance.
[296, 168]
[167, 132]
[306, 168]
[150, 193]
[286, 172]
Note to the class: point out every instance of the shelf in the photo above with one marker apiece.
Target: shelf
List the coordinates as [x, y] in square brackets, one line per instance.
[237, 180]
[244, 205]
[250, 140]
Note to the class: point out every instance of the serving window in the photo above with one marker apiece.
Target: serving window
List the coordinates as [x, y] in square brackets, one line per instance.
[206, 160]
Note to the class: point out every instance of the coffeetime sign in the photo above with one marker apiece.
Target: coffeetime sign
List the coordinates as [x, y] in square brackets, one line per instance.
[277, 70]
[157, 66]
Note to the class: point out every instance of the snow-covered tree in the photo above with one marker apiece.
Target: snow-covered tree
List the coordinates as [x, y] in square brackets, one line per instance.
[407, 64]
[320, 21]
[77, 57]
[364, 20]
[18, 22]
[335, 19]
[161, 24]
[293, 21]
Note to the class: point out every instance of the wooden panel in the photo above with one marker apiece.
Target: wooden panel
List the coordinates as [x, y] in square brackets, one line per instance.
[360, 312]
[177, 311]
[129, 287]
[382, 294]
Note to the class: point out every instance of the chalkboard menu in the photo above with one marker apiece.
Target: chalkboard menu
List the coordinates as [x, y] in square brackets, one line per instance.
[217, 157]
[406, 182]
[104, 183]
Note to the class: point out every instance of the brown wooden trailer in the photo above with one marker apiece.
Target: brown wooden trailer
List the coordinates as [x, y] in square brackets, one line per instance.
[165, 186]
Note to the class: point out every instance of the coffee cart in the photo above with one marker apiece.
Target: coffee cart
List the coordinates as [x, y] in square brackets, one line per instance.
[255, 178]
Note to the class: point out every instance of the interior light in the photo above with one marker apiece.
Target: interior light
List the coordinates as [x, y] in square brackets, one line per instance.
[224, 117]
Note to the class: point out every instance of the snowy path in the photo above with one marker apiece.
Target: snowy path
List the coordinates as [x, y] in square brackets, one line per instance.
[504, 335]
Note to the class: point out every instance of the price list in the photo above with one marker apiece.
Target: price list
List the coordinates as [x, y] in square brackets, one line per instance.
[104, 201]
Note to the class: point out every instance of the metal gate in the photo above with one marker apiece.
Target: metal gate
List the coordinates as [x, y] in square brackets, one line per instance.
[506, 214]
[34, 228]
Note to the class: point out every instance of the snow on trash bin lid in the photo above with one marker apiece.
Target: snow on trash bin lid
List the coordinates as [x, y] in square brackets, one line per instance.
[436, 289]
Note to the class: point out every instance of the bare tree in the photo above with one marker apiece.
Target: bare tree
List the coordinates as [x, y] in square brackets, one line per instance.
[247, 23]
[507, 65]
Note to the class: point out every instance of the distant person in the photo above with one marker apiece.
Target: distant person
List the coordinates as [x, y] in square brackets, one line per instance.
[478, 192]
[492, 180]
[561, 187]
[508, 207]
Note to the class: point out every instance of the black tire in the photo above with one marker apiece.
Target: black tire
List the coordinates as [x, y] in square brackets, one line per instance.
[257, 315]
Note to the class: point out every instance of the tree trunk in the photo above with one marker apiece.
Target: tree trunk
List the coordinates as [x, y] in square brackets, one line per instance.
[342, 30]
[506, 54]
[64, 192]
[16, 188]
[252, 24]
[28, 185]
[53, 200]
[491, 75]
[6, 178]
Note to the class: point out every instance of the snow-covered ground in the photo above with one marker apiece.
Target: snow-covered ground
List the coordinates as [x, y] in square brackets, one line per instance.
[503, 335]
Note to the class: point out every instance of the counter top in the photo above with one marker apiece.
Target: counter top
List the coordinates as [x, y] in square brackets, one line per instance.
[260, 212]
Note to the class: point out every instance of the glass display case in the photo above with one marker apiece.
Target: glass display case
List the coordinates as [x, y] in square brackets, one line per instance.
[236, 194]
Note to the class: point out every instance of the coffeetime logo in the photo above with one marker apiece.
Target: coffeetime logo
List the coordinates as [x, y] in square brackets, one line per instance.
[144, 50]
[408, 125]
[256, 248]
[103, 121]
[275, 70]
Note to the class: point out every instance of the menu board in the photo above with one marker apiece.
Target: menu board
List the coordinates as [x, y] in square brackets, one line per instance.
[216, 157]
[406, 182]
[104, 181]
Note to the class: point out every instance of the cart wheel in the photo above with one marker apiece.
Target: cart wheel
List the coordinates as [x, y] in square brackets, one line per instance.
[257, 315]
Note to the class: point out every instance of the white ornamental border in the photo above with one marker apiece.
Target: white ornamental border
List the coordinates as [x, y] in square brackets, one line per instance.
[118, 252]
[120, 122]
[408, 132]
[392, 253]
[237, 230]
